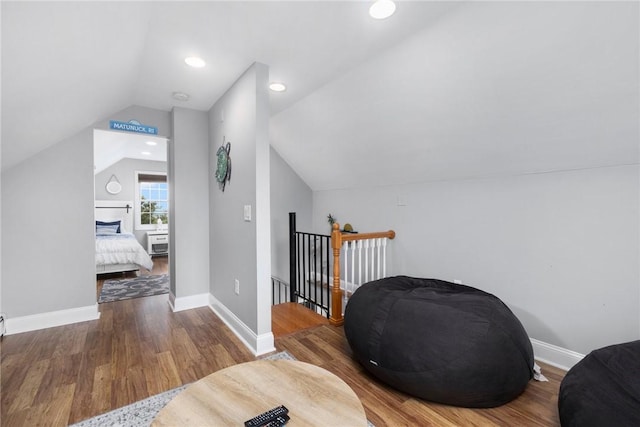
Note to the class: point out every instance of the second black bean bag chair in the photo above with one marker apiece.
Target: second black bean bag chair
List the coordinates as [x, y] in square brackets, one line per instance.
[603, 389]
[439, 341]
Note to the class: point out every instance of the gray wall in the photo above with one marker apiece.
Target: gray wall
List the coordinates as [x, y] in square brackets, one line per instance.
[238, 247]
[1, 244]
[560, 249]
[125, 170]
[47, 204]
[289, 193]
[189, 192]
[47, 230]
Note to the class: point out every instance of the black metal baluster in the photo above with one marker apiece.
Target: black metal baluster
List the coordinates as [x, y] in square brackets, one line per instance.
[321, 274]
[300, 290]
[292, 256]
[309, 266]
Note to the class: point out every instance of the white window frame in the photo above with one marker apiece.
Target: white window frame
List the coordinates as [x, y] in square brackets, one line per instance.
[137, 210]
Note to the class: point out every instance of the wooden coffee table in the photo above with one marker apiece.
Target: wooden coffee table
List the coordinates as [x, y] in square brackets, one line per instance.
[231, 396]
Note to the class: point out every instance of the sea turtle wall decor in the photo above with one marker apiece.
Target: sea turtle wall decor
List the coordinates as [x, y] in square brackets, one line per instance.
[223, 169]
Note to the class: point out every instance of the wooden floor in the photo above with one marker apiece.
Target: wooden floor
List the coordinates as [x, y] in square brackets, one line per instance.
[290, 317]
[139, 348]
[326, 347]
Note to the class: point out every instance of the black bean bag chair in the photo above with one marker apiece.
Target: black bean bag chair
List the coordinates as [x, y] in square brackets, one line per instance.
[603, 389]
[439, 341]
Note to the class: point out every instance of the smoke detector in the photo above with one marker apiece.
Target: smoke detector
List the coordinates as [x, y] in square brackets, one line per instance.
[180, 96]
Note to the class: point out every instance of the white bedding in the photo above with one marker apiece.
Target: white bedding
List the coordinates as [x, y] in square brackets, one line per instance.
[121, 248]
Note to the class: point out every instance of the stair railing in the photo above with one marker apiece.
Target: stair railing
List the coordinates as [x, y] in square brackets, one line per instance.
[279, 291]
[309, 268]
[356, 246]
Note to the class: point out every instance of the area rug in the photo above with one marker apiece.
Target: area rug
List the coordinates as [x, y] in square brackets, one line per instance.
[143, 412]
[141, 286]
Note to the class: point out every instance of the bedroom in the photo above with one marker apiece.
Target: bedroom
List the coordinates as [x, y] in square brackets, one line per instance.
[130, 187]
[546, 242]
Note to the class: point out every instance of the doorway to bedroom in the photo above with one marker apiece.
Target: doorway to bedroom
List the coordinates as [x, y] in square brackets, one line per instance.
[132, 215]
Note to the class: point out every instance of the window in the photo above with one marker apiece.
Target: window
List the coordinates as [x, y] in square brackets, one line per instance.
[152, 200]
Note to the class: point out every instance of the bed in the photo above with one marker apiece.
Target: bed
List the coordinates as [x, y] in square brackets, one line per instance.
[117, 249]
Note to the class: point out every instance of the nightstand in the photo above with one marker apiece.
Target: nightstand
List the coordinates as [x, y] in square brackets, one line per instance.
[158, 242]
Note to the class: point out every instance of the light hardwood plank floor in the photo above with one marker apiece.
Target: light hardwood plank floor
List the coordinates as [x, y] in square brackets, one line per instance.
[289, 317]
[139, 348]
[136, 349]
[327, 347]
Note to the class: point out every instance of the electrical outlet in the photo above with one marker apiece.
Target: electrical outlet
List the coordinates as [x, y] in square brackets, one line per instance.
[236, 287]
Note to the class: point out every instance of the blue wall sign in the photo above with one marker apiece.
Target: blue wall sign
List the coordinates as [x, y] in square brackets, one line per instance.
[133, 126]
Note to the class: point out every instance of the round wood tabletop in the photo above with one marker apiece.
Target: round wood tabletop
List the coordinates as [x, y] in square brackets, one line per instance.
[231, 396]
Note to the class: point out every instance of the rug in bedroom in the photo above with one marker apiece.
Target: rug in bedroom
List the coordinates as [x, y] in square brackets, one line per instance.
[142, 286]
[143, 412]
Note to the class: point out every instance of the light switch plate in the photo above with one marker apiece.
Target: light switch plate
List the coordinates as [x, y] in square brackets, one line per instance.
[247, 212]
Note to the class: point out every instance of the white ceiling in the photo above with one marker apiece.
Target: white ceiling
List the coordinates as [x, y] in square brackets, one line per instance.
[111, 147]
[441, 90]
[492, 89]
[66, 65]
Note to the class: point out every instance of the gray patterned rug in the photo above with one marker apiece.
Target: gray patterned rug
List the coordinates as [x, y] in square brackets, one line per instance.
[143, 412]
[141, 286]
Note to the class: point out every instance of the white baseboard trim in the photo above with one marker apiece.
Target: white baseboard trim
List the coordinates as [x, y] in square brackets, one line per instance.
[554, 355]
[258, 344]
[51, 319]
[188, 302]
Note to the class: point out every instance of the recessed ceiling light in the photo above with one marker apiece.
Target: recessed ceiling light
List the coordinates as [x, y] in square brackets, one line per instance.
[151, 143]
[146, 153]
[195, 62]
[277, 87]
[180, 96]
[382, 9]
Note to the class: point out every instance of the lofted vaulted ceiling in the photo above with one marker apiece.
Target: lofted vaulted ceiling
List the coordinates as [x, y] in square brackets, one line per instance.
[440, 90]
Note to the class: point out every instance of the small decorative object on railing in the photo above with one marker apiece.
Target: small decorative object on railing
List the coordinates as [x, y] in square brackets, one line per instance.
[331, 220]
[348, 228]
[373, 247]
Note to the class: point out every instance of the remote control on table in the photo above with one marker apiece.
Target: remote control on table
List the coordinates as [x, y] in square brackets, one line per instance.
[278, 422]
[266, 417]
